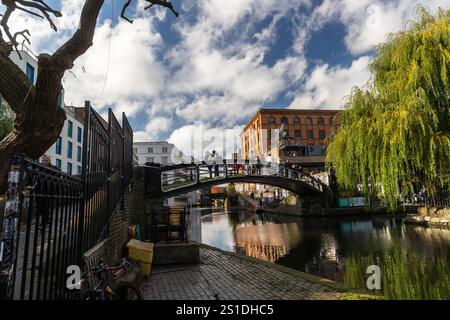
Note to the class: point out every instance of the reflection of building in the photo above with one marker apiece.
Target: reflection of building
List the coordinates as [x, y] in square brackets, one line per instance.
[267, 241]
[66, 153]
[296, 135]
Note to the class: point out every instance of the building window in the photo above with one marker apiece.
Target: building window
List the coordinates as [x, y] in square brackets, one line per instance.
[59, 101]
[322, 134]
[58, 146]
[330, 121]
[309, 121]
[272, 120]
[284, 120]
[69, 168]
[296, 120]
[69, 149]
[58, 164]
[79, 154]
[148, 159]
[297, 134]
[134, 150]
[79, 135]
[79, 170]
[69, 129]
[150, 150]
[163, 160]
[310, 134]
[320, 120]
[311, 150]
[164, 149]
[285, 134]
[30, 73]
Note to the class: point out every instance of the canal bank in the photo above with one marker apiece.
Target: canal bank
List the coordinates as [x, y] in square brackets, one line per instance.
[222, 275]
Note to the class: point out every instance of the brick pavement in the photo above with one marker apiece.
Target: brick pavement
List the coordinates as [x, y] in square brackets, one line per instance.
[228, 277]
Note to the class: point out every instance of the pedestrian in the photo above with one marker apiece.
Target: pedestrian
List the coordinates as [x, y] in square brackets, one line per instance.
[246, 165]
[214, 161]
[269, 163]
[258, 165]
[206, 160]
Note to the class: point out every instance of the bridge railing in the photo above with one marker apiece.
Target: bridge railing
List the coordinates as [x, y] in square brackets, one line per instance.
[183, 175]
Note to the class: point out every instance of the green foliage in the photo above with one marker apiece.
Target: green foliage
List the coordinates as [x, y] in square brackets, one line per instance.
[395, 131]
[6, 119]
[403, 275]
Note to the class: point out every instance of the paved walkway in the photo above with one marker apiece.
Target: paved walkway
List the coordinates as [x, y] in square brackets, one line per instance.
[228, 277]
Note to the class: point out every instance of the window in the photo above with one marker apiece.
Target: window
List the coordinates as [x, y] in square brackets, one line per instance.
[330, 121]
[59, 101]
[284, 120]
[79, 154]
[297, 134]
[58, 164]
[285, 133]
[30, 73]
[311, 150]
[322, 134]
[310, 134]
[272, 120]
[163, 160]
[69, 168]
[309, 121]
[58, 146]
[296, 120]
[134, 150]
[79, 135]
[69, 150]
[69, 129]
[79, 170]
[320, 120]
[164, 149]
[148, 159]
[150, 150]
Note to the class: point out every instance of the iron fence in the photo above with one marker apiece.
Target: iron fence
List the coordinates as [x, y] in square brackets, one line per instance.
[52, 218]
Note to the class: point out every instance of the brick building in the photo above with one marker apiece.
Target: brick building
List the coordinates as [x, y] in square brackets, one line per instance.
[296, 135]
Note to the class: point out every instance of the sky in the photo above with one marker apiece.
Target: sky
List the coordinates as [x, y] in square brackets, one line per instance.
[220, 61]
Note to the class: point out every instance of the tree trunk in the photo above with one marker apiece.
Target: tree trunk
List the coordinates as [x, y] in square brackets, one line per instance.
[39, 120]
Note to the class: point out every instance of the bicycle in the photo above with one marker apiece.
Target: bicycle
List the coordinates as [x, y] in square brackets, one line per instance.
[119, 290]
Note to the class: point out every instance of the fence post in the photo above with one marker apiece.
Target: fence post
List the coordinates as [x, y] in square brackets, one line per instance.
[11, 225]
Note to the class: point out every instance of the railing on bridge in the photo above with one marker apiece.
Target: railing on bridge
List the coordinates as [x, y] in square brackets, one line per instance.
[52, 218]
[184, 175]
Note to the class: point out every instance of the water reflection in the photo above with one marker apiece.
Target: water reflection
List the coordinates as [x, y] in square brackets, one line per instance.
[315, 245]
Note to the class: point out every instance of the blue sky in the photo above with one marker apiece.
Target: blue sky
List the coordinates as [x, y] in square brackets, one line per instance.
[220, 61]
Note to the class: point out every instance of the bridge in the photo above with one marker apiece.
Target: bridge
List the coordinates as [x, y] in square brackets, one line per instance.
[173, 180]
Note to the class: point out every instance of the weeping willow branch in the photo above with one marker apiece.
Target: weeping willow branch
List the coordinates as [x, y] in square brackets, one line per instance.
[395, 132]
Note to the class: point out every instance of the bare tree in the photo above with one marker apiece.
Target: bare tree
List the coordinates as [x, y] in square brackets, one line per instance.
[38, 119]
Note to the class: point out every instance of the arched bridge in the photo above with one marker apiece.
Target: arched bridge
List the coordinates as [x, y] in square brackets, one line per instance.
[173, 180]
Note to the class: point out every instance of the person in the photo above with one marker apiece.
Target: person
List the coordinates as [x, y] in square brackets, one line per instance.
[214, 161]
[269, 162]
[246, 165]
[47, 161]
[258, 165]
[206, 160]
[287, 166]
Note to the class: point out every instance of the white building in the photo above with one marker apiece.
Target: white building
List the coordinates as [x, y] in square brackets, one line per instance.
[164, 153]
[66, 154]
[160, 152]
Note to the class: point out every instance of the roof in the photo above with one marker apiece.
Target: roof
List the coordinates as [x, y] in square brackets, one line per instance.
[290, 111]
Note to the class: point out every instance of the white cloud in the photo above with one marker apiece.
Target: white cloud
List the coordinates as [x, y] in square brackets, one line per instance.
[327, 86]
[196, 139]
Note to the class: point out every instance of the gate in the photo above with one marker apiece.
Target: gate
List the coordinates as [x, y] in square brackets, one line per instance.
[52, 218]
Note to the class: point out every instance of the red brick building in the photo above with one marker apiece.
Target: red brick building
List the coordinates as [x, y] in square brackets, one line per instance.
[296, 135]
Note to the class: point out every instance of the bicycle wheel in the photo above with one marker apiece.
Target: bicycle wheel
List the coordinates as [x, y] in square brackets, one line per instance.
[127, 291]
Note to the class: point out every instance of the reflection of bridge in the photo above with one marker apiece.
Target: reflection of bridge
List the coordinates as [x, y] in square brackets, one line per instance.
[169, 181]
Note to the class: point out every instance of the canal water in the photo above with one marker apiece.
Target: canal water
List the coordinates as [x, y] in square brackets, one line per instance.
[318, 246]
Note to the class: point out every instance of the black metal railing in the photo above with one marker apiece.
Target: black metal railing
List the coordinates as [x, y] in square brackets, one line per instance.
[52, 218]
[178, 176]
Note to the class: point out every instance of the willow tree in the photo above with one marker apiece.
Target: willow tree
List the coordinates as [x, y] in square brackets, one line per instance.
[38, 120]
[395, 131]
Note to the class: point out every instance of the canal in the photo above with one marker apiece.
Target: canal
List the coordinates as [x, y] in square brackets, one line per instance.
[339, 249]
